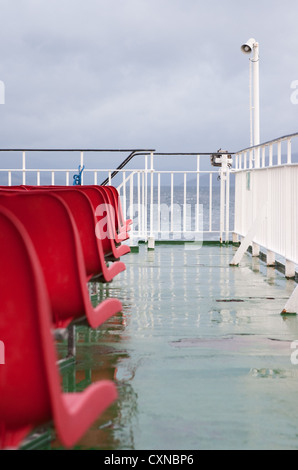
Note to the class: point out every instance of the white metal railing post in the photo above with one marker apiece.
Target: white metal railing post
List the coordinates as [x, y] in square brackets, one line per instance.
[24, 167]
[131, 207]
[198, 195]
[172, 202]
[263, 156]
[139, 205]
[151, 195]
[146, 199]
[82, 165]
[143, 203]
[238, 161]
[257, 158]
[124, 195]
[270, 155]
[158, 204]
[279, 152]
[210, 202]
[151, 242]
[245, 161]
[184, 204]
[250, 159]
[223, 176]
[227, 204]
[289, 151]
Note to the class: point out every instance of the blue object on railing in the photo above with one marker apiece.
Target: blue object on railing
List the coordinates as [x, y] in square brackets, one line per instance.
[77, 179]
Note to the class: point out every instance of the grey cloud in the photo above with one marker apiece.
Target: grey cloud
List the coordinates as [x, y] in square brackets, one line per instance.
[166, 74]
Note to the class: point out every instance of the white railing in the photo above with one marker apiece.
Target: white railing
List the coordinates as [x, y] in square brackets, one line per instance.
[165, 204]
[192, 205]
[266, 201]
[266, 155]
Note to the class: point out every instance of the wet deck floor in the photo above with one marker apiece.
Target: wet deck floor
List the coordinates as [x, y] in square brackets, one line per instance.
[200, 354]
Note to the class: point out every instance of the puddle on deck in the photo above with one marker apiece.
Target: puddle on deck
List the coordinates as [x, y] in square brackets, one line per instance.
[200, 354]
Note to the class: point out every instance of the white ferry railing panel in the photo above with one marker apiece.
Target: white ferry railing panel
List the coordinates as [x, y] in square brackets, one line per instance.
[269, 184]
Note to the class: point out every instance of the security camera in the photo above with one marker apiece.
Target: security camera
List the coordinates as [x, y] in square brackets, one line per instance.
[248, 46]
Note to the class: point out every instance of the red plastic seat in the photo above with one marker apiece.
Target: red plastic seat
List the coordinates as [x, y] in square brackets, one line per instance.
[121, 232]
[81, 210]
[101, 205]
[107, 236]
[56, 240]
[104, 217]
[123, 224]
[30, 387]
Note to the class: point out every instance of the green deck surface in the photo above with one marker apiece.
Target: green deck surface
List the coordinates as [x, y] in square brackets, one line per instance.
[200, 354]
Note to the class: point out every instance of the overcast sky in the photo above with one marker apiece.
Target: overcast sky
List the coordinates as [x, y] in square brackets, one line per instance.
[162, 74]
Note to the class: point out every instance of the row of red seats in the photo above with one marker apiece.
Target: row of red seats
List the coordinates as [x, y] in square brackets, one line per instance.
[53, 240]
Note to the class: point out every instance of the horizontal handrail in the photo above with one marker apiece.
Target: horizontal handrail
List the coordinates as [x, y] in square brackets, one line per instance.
[273, 141]
[75, 150]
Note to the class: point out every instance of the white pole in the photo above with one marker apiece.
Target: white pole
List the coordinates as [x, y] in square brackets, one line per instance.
[250, 104]
[253, 46]
[256, 86]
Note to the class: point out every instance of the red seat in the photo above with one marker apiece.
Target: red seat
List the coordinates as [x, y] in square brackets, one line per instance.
[56, 240]
[121, 233]
[81, 210]
[101, 206]
[30, 387]
[123, 224]
[99, 202]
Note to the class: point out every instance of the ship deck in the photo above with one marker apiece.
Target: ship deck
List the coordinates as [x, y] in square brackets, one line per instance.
[201, 355]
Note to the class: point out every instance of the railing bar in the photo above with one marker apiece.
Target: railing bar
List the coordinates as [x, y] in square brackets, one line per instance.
[143, 204]
[151, 195]
[139, 204]
[210, 202]
[131, 198]
[184, 205]
[124, 196]
[227, 204]
[158, 203]
[172, 202]
[198, 194]
[82, 165]
[24, 166]
[146, 197]
[279, 153]
[270, 155]
[289, 151]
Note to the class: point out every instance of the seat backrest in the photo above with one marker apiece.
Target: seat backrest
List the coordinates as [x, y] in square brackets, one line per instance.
[95, 199]
[23, 380]
[118, 204]
[57, 244]
[84, 218]
[105, 223]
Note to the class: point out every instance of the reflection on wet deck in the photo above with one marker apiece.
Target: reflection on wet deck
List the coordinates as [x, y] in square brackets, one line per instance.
[200, 354]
